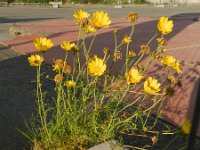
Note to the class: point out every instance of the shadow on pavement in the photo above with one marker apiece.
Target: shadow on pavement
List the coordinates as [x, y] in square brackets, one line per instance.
[13, 20]
[16, 100]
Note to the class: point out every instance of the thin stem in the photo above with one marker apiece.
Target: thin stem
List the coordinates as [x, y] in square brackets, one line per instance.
[92, 42]
[79, 36]
[58, 103]
[115, 40]
[95, 100]
[152, 38]
[41, 102]
[132, 30]
[127, 58]
[142, 54]
[139, 59]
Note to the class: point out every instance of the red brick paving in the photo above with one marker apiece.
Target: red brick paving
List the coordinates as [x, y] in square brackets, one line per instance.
[184, 44]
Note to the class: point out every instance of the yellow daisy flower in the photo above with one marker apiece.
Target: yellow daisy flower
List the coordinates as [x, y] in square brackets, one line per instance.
[42, 44]
[170, 61]
[100, 19]
[126, 39]
[96, 66]
[89, 29]
[35, 60]
[80, 14]
[133, 76]
[59, 63]
[67, 46]
[165, 26]
[151, 86]
[70, 83]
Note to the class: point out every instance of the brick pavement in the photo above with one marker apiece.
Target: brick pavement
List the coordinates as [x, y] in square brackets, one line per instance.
[183, 44]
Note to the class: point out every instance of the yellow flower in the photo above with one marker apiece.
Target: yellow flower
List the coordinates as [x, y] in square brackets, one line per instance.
[80, 14]
[59, 63]
[89, 29]
[164, 25]
[70, 83]
[126, 39]
[186, 126]
[35, 60]
[67, 46]
[171, 62]
[58, 78]
[133, 76]
[42, 44]
[96, 66]
[151, 86]
[100, 19]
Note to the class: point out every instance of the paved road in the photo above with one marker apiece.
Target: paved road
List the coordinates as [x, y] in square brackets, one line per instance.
[10, 15]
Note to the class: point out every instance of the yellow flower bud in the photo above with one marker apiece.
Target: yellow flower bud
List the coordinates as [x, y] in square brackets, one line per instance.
[145, 49]
[132, 17]
[117, 56]
[70, 83]
[126, 39]
[131, 53]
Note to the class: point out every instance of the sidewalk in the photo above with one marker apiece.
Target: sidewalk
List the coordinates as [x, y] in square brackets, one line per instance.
[184, 44]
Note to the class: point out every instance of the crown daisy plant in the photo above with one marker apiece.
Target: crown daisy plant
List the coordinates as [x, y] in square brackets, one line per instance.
[90, 103]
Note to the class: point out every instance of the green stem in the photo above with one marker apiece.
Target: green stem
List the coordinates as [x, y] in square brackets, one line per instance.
[127, 59]
[142, 54]
[115, 40]
[38, 96]
[58, 103]
[131, 104]
[132, 31]
[151, 59]
[79, 35]
[139, 59]
[42, 112]
[95, 100]
[152, 38]
[92, 42]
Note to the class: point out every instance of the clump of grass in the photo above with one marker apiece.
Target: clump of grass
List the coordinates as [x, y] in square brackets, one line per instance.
[90, 104]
